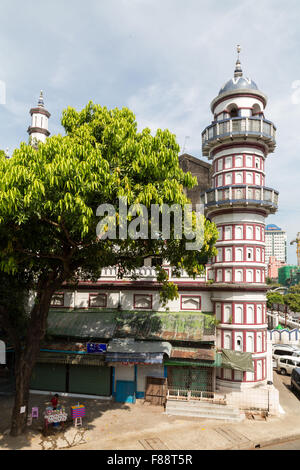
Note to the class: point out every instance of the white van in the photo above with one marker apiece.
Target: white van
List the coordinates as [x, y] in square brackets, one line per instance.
[280, 350]
[286, 364]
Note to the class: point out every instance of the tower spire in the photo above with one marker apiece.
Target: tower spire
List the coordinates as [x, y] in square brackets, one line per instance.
[41, 100]
[238, 68]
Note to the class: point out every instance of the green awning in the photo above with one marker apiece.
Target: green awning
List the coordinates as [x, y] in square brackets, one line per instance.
[215, 363]
[141, 325]
[237, 360]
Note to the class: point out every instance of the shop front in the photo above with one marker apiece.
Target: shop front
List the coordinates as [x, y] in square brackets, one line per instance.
[74, 374]
[133, 362]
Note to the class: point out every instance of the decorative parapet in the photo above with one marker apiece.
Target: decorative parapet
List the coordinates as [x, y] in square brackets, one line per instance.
[241, 127]
[245, 195]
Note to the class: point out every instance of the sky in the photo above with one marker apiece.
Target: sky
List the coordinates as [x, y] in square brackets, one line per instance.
[165, 60]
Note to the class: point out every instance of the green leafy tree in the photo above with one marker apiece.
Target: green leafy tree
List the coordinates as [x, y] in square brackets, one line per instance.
[293, 302]
[274, 298]
[49, 196]
[295, 289]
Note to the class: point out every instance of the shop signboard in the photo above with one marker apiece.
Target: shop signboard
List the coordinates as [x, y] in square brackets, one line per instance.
[94, 348]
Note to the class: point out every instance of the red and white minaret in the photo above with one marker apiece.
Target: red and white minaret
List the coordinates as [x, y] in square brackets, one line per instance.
[238, 142]
[38, 131]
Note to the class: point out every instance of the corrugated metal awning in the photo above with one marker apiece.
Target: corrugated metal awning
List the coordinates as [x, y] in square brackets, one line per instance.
[75, 359]
[130, 346]
[193, 353]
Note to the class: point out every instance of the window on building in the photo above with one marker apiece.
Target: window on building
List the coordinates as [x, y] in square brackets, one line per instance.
[97, 300]
[250, 314]
[238, 314]
[190, 302]
[228, 162]
[228, 254]
[249, 232]
[227, 341]
[249, 178]
[238, 232]
[228, 179]
[239, 178]
[238, 161]
[249, 161]
[142, 301]
[227, 313]
[57, 300]
[228, 233]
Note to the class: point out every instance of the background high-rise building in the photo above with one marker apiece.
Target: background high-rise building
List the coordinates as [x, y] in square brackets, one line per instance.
[276, 243]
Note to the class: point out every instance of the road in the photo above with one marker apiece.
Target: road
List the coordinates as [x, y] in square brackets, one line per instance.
[292, 445]
[291, 405]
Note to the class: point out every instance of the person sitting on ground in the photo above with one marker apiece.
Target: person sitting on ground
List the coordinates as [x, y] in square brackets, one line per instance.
[54, 401]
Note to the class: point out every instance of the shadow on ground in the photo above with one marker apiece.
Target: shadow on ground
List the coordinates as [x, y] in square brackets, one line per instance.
[53, 437]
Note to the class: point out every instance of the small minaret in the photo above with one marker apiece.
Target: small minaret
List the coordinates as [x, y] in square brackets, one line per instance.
[38, 131]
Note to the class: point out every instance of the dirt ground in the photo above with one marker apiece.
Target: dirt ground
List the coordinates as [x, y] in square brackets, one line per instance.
[115, 426]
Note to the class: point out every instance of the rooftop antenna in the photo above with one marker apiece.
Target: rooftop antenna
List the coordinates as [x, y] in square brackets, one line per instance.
[185, 141]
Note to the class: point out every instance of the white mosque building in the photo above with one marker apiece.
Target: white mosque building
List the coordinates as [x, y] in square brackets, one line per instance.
[206, 337]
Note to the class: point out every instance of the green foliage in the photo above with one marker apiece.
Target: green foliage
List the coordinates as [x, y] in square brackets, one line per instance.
[295, 289]
[293, 302]
[274, 298]
[49, 196]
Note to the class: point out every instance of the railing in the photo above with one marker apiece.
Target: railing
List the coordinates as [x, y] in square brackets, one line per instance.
[241, 126]
[257, 195]
[148, 273]
[187, 395]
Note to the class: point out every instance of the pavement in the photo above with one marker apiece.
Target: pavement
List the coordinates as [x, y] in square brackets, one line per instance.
[114, 426]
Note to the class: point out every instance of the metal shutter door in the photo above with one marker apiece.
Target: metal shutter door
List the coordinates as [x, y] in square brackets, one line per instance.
[90, 380]
[50, 377]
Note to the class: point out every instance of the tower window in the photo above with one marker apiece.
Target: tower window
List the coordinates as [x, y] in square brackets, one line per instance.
[234, 113]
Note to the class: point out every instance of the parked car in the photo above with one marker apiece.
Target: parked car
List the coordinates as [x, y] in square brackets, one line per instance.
[284, 350]
[295, 380]
[286, 364]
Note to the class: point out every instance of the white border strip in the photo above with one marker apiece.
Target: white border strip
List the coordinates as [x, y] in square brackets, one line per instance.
[63, 394]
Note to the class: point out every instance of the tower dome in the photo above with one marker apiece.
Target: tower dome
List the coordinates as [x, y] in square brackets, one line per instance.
[238, 85]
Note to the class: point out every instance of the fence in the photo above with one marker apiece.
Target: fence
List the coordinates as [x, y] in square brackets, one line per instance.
[261, 399]
[264, 398]
[187, 395]
[284, 336]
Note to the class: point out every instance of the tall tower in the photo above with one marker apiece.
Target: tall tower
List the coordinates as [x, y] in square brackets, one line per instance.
[38, 131]
[238, 142]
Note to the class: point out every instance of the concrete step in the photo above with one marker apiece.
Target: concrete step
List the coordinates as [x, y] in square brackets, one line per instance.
[225, 412]
[203, 410]
[198, 404]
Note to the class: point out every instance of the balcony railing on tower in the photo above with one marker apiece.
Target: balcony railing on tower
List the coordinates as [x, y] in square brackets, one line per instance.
[241, 194]
[245, 127]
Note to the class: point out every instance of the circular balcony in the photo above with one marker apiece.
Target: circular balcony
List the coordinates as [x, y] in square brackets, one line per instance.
[240, 128]
[241, 195]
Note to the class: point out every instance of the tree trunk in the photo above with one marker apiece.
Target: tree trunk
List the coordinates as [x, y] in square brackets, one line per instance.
[23, 373]
[26, 358]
